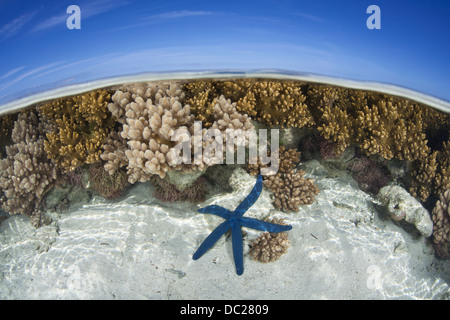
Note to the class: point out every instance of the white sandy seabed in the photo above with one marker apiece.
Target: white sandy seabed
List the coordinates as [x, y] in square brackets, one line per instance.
[139, 248]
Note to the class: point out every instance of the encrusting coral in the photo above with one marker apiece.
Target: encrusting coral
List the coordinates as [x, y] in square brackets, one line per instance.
[26, 172]
[269, 247]
[150, 117]
[441, 225]
[81, 125]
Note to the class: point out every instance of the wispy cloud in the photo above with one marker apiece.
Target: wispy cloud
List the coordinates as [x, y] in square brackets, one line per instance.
[65, 66]
[308, 16]
[27, 74]
[141, 21]
[13, 27]
[88, 10]
[11, 72]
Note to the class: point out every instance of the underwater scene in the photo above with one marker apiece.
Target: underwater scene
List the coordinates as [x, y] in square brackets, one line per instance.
[218, 180]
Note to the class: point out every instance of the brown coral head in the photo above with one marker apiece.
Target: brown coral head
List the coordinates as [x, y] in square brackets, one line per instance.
[269, 247]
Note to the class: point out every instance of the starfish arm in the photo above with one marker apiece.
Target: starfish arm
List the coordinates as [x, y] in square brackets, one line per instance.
[250, 199]
[212, 239]
[217, 210]
[263, 225]
[238, 254]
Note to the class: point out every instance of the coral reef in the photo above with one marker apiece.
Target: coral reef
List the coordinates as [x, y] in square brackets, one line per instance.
[109, 186]
[201, 96]
[167, 192]
[441, 225]
[431, 175]
[401, 206]
[269, 247]
[26, 173]
[271, 102]
[150, 117]
[275, 103]
[378, 124]
[332, 109]
[289, 187]
[392, 128]
[81, 125]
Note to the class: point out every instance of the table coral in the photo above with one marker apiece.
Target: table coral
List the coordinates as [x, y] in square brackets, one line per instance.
[26, 172]
[441, 225]
[82, 124]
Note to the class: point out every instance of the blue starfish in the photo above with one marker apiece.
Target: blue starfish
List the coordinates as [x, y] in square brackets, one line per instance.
[234, 221]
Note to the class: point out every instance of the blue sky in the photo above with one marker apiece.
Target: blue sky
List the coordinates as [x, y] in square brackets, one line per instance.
[123, 37]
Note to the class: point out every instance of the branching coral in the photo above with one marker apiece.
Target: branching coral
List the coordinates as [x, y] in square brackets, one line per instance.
[269, 247]
[441, 225]
[333, 109]
[82, 124]
[291, 190]
[150, 119]
[378, 124]
[200, 96]
[271, 102]
[431, 175]
[276, 103]
[392, 128]
[26, 173]
[289, 187]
